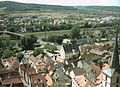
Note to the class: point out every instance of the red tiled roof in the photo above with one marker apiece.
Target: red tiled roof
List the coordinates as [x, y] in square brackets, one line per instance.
[11, 80]
[28, 69]
[41, 66]
[4, 70]
[49, 80]
[13, 62]
[36, 78]
[96, 68]
[99, 79]
[81, 81]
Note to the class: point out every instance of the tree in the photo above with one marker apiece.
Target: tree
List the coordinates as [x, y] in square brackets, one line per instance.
[103, 33]
[50, 47]
[59, 39]
[1, 43]
[51, 38]
[58, 85]
[55, 39]
[20, 56]
[1, 51]
[6, 43]
[37, 52]
[75, 32]
[27, 42]
[7, 53]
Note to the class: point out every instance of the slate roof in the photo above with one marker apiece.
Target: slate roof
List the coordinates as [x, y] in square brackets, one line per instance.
[69, 47]
[58, 74]
[92, 71]
[93, 66]
[78, 71]
[64, 79]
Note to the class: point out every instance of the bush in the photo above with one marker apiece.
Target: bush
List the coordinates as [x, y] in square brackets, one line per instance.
[37, 52]
[57, 39]
[7, 53]
[27, 42]
[50, 47]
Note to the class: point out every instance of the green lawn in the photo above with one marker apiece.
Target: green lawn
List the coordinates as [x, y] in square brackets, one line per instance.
[58, 32]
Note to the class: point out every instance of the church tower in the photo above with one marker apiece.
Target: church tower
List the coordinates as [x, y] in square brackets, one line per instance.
[111, 76]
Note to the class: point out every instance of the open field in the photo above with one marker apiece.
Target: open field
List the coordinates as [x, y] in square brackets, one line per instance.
[61, 32]
[41, 35]
[58, 32]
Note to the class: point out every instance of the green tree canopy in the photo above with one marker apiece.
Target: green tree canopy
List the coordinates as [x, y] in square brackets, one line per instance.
[7, 53]
[55, 39]
[1, 43]
[37, 52]
[75, 32]
[27, 42]
[50, 47]
[1, 51]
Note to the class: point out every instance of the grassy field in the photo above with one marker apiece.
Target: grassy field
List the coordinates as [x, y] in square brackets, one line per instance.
[58, 32]
[41, 35]
[61, 32]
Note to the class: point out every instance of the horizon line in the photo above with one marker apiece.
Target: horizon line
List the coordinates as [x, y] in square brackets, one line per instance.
[59, 4]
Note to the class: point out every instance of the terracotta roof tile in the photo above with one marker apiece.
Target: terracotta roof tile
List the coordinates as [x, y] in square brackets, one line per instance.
[11, 80]
[81, 81]
[49, 80]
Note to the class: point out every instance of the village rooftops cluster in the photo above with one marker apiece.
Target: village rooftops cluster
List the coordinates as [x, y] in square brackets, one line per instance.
[72, 64]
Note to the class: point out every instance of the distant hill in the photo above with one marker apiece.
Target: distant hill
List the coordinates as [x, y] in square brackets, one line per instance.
[15, 6]
[98, 8]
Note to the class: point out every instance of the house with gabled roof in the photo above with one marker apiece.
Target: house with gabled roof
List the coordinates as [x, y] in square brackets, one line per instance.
[61, 77]
[78, 78]
[10, 77]
[69, 50]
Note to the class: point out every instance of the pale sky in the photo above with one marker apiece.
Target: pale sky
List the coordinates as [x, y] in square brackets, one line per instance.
[72, 2]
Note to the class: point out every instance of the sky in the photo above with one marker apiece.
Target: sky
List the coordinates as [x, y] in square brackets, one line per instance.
[73, 2]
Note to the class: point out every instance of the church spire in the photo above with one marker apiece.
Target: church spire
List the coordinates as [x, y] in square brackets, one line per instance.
[115, 57]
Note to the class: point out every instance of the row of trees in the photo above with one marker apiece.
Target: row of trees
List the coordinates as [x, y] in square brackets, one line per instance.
[56, 39]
